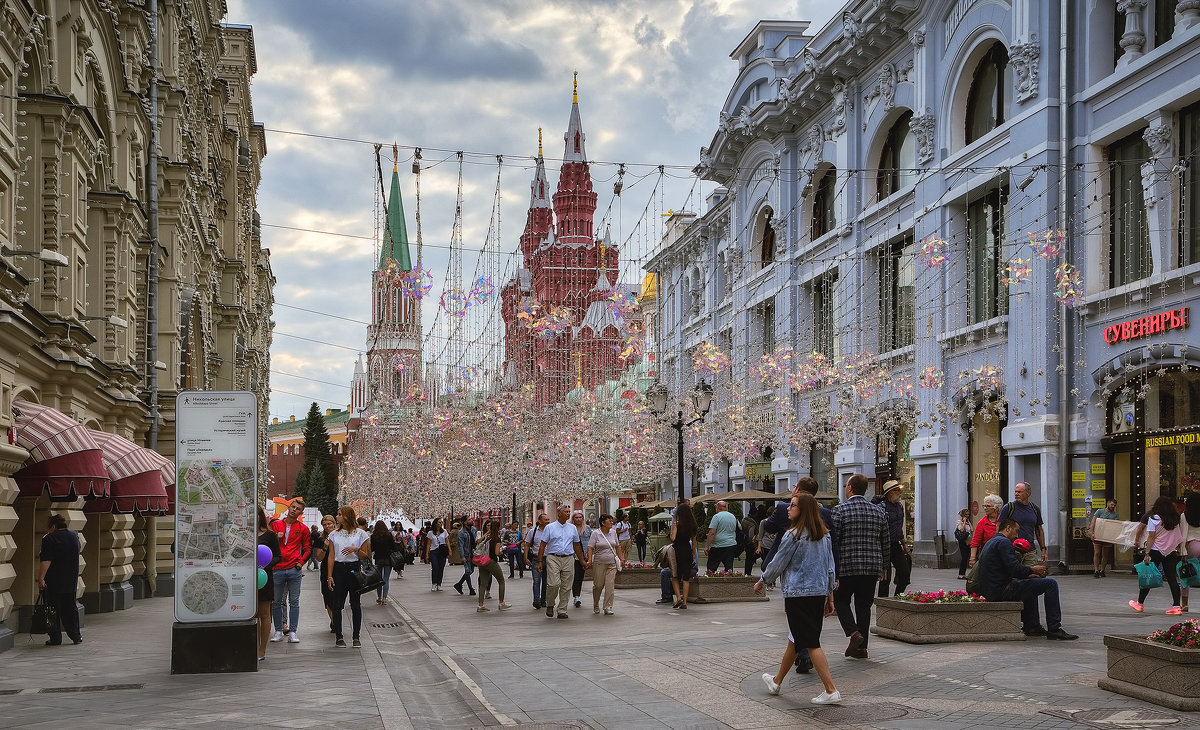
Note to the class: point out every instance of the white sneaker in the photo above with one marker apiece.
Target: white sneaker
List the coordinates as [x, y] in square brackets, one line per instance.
[277, 636]
[292, 638]
[828, 698]
[772, 687]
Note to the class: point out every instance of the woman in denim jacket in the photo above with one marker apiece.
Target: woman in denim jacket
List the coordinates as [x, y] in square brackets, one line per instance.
[803, 563]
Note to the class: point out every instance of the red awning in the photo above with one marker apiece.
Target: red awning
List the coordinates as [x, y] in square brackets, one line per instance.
[138, 477]
[63, 458]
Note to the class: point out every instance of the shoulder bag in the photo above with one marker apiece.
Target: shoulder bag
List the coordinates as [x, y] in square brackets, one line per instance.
[45, 616]
[610, 547]
[480, 555]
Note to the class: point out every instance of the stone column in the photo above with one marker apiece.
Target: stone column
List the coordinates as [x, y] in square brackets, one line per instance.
[164, 559]
[109, 555]
[1157, 183]
[139, 581]
[10, 460]
[1187, 15]
[1133, 40]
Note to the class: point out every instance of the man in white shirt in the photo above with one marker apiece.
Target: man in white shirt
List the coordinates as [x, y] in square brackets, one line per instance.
[624, 531]
[558, 544]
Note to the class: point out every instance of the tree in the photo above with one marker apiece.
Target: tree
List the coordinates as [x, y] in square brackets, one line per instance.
[317, 478]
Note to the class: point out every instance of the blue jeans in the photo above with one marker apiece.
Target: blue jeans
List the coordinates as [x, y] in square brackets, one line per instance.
[385, 572]
[1027, 590]
[539, 583]
[287, 584]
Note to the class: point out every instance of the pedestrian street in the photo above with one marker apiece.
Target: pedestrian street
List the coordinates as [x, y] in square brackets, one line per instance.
[430, 661]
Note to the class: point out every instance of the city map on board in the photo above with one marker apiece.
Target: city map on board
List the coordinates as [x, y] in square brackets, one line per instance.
[216, 532]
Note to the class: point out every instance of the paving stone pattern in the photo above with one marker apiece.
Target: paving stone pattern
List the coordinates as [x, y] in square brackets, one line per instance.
[431, 661]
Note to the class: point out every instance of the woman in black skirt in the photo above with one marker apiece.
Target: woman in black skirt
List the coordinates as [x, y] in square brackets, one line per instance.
[266, 594]
[804, 560]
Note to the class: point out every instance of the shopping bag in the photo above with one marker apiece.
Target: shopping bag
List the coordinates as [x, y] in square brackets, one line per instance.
[1149, 576]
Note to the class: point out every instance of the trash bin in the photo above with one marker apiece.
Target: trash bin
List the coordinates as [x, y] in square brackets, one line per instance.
[939, 548]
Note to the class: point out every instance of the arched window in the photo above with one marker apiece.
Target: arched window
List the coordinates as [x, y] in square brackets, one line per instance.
[767, 239]
[898, 159]
[987, 102]
[823, 199]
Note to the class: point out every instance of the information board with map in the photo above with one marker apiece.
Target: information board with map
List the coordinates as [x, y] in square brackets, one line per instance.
[216, 506]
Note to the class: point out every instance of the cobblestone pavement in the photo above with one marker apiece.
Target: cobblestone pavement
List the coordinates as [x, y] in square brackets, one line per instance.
[430, 661]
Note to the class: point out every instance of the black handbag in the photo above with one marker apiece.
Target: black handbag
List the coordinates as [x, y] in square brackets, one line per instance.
[45, 616]
[398, 558]
[367, 576]
[1187, 569]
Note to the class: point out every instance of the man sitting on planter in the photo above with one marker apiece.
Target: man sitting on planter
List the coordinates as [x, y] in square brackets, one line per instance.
[1002, 577]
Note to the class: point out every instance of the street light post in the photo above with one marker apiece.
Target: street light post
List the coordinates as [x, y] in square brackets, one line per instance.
[702, 396]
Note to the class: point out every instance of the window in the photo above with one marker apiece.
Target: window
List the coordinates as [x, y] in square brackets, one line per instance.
[1129, 251]
[766, 318]
[985, 257]
[897, 297]
[823, 200]
[987, 102]
[1189, 187]
[825, 316]
[898, 160]
[767, 239]
[1164, 21]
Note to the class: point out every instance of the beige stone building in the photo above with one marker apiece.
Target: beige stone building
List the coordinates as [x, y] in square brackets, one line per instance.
[92, 332]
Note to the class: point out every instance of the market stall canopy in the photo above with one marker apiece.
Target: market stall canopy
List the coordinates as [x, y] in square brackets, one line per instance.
[708, 498]
[64, 460]
[664, 515]
[751, 494]
[140, 477]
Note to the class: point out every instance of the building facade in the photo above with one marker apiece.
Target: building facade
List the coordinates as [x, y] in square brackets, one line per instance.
[101, 325]
[990, 255]
[285, 450]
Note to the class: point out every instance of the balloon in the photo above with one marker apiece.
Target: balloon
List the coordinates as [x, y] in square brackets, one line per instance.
[262, 577]
[264, 556]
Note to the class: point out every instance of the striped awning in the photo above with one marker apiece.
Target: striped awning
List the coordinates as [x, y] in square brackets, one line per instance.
[64, 459]
[139, 477]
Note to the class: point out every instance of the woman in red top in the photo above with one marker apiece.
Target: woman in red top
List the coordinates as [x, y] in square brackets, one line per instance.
[985, 529]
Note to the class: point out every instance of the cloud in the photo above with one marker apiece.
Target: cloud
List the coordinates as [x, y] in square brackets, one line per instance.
[452, 75]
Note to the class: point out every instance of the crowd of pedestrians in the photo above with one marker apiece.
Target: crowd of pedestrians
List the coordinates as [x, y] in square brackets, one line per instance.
[825, 562]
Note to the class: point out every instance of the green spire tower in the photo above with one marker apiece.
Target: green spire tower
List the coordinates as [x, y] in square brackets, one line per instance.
[395, 245]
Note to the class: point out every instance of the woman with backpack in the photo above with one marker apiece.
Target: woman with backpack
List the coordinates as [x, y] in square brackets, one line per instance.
[489, 551]
[1164, 545]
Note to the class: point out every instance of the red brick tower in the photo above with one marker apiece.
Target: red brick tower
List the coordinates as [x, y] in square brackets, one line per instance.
[562, 262]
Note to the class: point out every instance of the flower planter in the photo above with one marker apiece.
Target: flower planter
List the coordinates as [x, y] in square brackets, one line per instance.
[1160, 673]
[939, 623]
[638, 578]
[723, 589]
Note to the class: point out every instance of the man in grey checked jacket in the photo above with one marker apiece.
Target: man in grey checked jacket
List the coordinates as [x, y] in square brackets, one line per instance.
[861, 548]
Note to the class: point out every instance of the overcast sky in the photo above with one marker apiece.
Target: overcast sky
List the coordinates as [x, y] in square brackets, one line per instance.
[480, 77]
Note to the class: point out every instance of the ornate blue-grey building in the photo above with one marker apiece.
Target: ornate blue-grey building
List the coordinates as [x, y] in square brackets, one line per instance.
[984, 220]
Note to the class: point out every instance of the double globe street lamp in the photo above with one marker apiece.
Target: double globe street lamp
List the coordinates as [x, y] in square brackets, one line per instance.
[702, 396]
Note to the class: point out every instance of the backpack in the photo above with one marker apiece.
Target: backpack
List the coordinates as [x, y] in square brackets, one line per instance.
[1011, 507]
